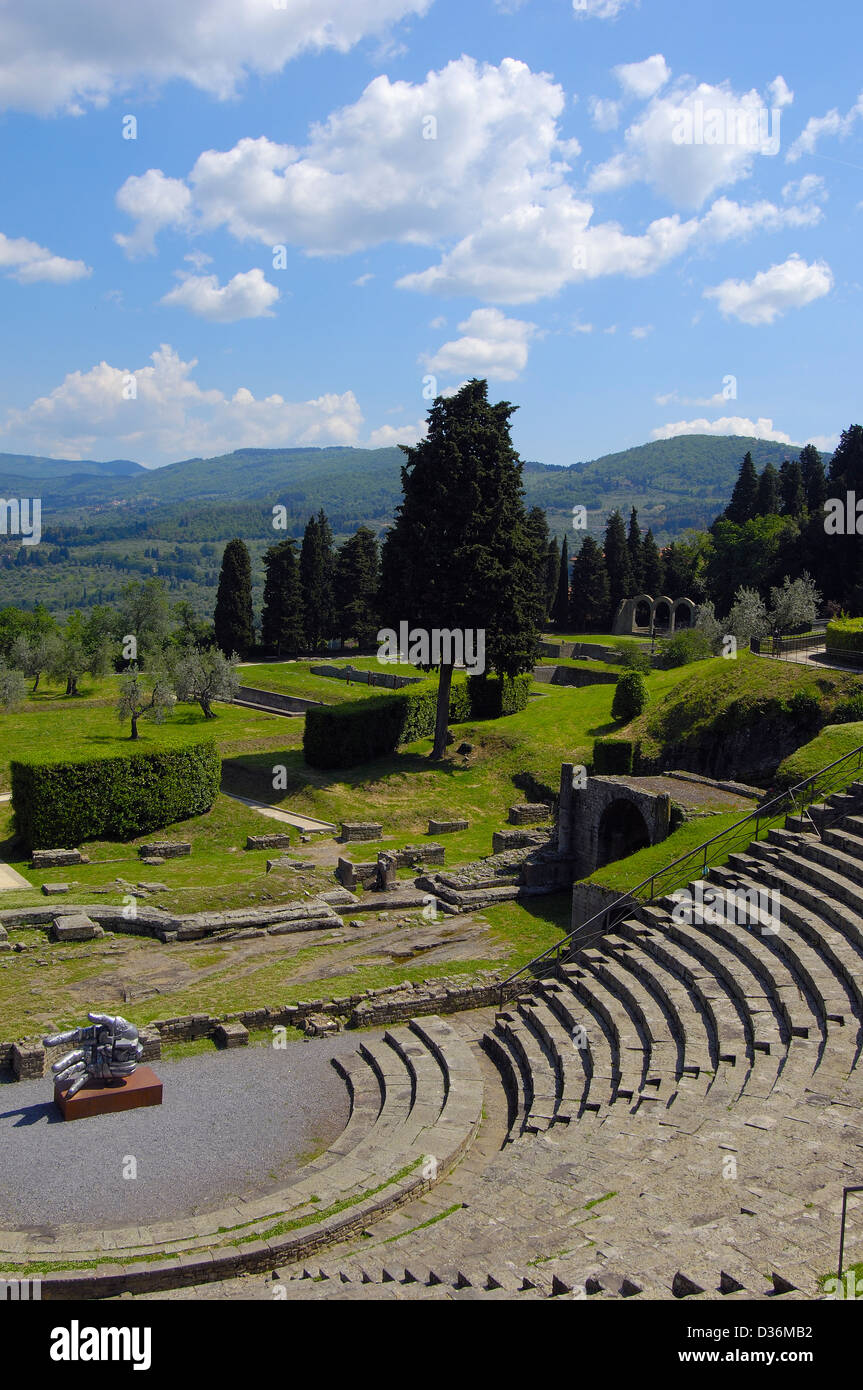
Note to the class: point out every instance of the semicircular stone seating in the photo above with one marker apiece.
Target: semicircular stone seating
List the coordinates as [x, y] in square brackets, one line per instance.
[416, 1103]
[682, 1103]
[670, 1113]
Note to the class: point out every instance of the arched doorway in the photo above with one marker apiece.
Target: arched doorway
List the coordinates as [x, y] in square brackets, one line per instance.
[622, 830]
[683, 615]
[642, 614]
[662, 614]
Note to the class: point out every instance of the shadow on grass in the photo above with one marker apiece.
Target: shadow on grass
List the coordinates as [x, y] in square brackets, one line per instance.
[251, 774]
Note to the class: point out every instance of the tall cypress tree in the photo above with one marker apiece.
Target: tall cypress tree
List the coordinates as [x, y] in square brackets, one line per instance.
[537, 526]
[791, 489]
[654, 570]
[552, 574]
[814, 477]
[588, 600]
[460, 545]
[635, 546]
[744, 499]
[617, 564]
[357, 580]
[768, 492]
[316, 580]
[282, 628]
[232, 619]
[843, 557]
[560, 611]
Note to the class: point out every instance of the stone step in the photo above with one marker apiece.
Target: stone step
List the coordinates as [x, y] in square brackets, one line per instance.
[692, 1025]
[630, 1053]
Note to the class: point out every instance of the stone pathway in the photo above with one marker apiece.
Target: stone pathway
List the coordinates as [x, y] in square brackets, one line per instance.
[286, 817]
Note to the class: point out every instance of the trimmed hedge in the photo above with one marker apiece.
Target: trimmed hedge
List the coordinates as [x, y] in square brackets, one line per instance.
[62, 803]
[845, 635]
[612, 756]
[492, 697]
[345, 735]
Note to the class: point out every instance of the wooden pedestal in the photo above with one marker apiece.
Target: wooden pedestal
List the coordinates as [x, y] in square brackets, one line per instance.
[143, 1087]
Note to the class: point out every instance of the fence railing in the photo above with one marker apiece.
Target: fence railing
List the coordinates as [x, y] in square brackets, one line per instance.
[695, 863]
[787, 646]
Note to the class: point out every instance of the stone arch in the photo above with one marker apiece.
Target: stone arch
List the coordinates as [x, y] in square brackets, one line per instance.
[684, 613]
[642, 613]
[622, 831]
[663, 613]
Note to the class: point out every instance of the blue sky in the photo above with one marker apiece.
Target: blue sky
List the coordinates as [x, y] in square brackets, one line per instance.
[460, 188]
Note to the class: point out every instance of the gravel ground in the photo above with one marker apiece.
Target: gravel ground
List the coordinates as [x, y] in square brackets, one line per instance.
[232, 1124]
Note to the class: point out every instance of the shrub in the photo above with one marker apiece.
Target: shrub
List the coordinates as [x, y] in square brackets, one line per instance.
[62, 803]
[613, 755]
[344, 735]
[848, 711]
[491, 697]
[684, 647]
[806, 707]
[845, 634]
[630, 696]
[632, 656]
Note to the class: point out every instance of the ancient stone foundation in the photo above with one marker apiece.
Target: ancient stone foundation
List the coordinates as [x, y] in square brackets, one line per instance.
[164, 849]
[361, 830]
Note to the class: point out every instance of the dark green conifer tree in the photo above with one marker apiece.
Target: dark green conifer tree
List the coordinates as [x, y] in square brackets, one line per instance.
[232, 619]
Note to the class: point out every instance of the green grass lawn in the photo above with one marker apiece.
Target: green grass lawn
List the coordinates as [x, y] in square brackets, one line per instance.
[833, 741]
[515, 758]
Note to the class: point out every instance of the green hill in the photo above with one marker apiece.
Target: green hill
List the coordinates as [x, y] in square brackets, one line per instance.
[103, 524]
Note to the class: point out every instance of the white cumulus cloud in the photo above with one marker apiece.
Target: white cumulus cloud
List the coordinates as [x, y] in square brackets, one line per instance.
[643, 79]
[773, 292]
[818, 126]
[27, 262]
[92, 414]
[492, 345]
[69, 57]
[248, 295]
[728, 424]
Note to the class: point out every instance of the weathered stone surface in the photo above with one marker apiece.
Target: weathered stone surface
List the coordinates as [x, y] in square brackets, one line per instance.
[319, 1025]
[55, 889]
[165, 849]
[268, 842]
[446, 827]
[75, 926]
[283, 862]
[503, 840]
[361, 830]
[525, 812]
[27, 1060]
[231, 1035]
[145, 887]
[151, 1041]
[55, 858]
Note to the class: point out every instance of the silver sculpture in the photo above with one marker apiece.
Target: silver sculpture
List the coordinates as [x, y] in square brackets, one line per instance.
[107, 1051]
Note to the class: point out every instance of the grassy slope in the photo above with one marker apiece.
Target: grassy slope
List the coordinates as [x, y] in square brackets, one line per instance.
[709, 688]
[833, 741]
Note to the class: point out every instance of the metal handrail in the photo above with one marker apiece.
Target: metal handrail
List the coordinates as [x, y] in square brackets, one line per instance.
[637, 896]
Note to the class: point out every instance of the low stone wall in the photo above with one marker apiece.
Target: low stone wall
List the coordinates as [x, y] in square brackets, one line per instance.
[572, 675]
[28, 1059]
[271, 699]
[54, 858]
[528, 812]
[446, 827]
[355, 677]
[361, 830]
[165, 849]
[503, 840]
[268, 842]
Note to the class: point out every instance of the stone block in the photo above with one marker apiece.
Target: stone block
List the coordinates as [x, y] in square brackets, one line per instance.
[165, 849]
[231, 1035]
[52, 890]
[268, 842]
[150, 887]
[446, 827]
[524, 813]
[361, 830]
[28, 1061]
[55, 858]
[76, 926]
[283, 862]
[151, 1041]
